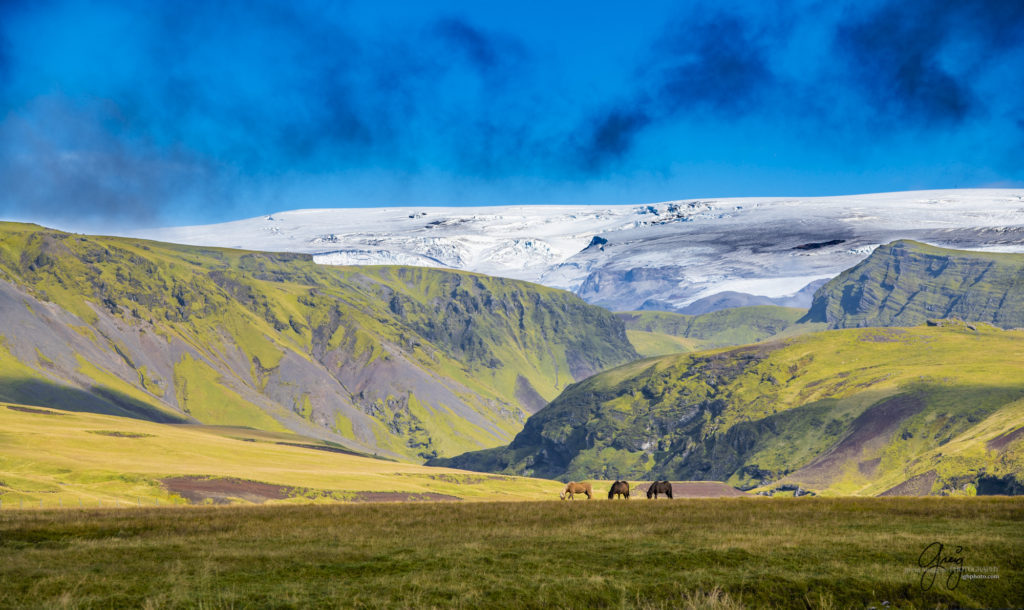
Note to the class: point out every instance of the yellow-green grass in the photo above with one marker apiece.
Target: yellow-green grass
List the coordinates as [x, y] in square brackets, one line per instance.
[660, 344]
[487, 341]
[658, 333]
[843, 363]
[792, 401]
[204, 394]
[781, 553]
[70, 459]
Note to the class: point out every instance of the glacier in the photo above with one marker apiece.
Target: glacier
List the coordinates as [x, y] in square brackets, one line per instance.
[667, 255]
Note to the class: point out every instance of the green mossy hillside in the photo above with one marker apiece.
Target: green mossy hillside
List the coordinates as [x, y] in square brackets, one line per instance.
[405, 361]
[867, 411]
[658, 333]
[906, 283]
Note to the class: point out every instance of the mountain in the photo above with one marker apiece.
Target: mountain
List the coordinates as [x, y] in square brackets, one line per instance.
[657, 333]
[732, 300]
[929, 409]
[698, 254]
[905, 283]
[402, 361]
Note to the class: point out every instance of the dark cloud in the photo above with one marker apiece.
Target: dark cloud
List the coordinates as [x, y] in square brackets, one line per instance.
[485, 51]
[609, 137]
[883, 70]
[717, 63]
[994, 24]
[919, 62]
[894, 58]
[703, 66]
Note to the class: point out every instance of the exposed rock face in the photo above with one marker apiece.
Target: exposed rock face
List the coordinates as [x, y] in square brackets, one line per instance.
[905, 283]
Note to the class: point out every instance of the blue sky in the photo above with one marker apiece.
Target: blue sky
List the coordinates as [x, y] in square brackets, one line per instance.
[150, 113]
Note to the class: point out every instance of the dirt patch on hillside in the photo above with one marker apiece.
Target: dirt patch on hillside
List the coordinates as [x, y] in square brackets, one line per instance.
[921, 485]
[1000, 442]
[326, 448]
[870, 432]
[120, 434]
[527, 396]
[400, 496]
[695, 489]
[868, 468]
[890, 335]
[200, 490]
[33, 410]
[207, 490]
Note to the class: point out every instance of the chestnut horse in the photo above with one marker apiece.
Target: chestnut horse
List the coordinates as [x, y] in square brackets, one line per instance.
[576, 488]
[659, 487]
[619, 488]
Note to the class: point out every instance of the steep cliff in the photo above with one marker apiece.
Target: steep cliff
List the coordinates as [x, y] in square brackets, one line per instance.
[905, 283]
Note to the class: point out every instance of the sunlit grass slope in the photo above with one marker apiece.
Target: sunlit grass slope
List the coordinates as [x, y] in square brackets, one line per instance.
[72, 459]
[658, 333]
[406, 361]
[839, 412]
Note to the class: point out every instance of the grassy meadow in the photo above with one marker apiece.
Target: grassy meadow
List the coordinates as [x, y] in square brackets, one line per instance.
[54, 459]
[753, 552]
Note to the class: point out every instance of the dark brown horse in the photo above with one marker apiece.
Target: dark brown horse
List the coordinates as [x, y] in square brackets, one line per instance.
[659, 487]
[619, 488]
[576, 488]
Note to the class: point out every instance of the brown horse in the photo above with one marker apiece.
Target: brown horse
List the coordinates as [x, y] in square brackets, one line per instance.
[619, 488]
[659, 487]
[576, 488]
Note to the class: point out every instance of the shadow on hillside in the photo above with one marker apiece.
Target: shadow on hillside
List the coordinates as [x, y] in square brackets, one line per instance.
[105, 401]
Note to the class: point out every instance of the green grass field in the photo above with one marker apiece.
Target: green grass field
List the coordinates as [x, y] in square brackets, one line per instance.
[757, 552]
[60, 458]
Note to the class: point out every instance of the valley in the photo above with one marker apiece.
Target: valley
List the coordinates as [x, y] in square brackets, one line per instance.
[512, 379]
